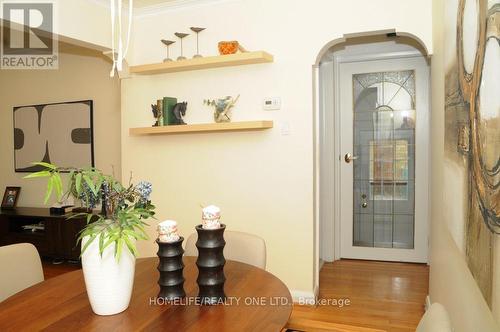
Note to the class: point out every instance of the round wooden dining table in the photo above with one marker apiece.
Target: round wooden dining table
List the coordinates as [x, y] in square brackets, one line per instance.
[256, 301]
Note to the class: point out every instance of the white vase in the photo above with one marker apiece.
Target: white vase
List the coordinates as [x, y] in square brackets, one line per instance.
[109, 282]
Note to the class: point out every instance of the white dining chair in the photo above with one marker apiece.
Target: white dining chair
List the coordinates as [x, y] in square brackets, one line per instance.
[21, 268]
[241, 247]
[435, 319]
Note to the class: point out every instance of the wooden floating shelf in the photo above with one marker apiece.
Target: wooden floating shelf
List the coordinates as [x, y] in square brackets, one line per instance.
[202, 128]
[238, 59]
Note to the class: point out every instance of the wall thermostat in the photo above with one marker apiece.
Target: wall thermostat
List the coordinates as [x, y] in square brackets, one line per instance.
[271, 104]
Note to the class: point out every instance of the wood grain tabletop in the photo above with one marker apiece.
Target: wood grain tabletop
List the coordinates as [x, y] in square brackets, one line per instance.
[256, 301]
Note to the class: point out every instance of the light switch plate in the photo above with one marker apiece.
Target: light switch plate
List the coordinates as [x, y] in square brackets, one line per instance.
[285, 128]
[271, 104]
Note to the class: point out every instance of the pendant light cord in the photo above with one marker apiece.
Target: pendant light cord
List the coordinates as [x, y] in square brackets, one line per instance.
[118, 55]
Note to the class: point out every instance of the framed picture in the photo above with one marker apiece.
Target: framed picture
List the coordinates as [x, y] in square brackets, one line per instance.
[10, 197]
[58, 133]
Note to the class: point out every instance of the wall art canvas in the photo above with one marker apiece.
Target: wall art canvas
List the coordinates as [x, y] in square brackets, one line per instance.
[60, 133]
[472, 137]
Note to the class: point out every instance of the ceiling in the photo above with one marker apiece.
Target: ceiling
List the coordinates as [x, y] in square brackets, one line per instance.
[147, 3]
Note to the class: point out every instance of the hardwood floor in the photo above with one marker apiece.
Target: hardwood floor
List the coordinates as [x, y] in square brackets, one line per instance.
[383, 296]
[53, 270]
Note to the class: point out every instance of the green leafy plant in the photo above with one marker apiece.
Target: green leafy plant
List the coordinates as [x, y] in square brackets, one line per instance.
[125, 209]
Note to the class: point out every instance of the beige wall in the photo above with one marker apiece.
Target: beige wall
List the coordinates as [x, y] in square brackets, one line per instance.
[82, 74]
[263, 181]
[85, 22]
[451, 282]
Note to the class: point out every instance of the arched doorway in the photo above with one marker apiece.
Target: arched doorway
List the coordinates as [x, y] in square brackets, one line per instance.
[331, 192]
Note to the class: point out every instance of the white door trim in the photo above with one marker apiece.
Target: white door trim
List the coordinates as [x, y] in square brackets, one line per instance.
[378, 56]
[336, 169]
[316, 178]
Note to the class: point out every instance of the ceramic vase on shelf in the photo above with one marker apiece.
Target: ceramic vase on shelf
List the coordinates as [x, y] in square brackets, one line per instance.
[222, 108]
[109, 282]
[210, 264]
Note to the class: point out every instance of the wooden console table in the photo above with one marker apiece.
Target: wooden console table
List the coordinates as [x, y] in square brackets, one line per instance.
[57, 240]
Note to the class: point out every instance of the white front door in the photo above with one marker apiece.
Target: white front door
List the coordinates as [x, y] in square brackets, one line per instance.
[384, 144]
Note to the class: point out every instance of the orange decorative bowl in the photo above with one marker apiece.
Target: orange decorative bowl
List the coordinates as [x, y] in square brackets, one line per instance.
[228, 47]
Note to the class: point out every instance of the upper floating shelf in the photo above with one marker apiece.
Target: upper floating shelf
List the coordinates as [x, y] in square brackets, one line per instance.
[238, 59]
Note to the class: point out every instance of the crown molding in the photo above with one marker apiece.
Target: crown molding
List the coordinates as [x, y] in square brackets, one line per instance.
[106, 4]
[102, 3]
[162, 7]
[174, 5]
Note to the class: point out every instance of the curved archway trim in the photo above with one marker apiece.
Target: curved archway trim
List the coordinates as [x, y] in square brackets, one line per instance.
[386, 32]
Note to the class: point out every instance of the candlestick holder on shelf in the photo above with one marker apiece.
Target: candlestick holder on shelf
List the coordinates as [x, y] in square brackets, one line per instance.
[210, 264]
[171, 269]
[197, 31]
[181, 36]
[167, 43]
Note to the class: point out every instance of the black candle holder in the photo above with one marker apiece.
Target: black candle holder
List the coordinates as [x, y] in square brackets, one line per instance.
[210, 264]
[171, 269]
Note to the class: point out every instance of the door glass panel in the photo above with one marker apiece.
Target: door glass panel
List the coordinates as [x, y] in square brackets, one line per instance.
[384, 171]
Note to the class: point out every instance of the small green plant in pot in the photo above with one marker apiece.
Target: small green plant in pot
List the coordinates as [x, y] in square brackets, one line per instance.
[109, 239]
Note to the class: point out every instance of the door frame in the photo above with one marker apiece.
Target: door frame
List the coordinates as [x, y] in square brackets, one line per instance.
[339, 153]
[411, 39]
[337, 61]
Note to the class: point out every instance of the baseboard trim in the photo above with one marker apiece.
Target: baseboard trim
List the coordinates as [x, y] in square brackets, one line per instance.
[303, 297]
[427, 302]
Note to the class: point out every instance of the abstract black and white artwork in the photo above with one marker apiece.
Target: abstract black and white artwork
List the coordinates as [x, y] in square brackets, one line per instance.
[59, 133]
